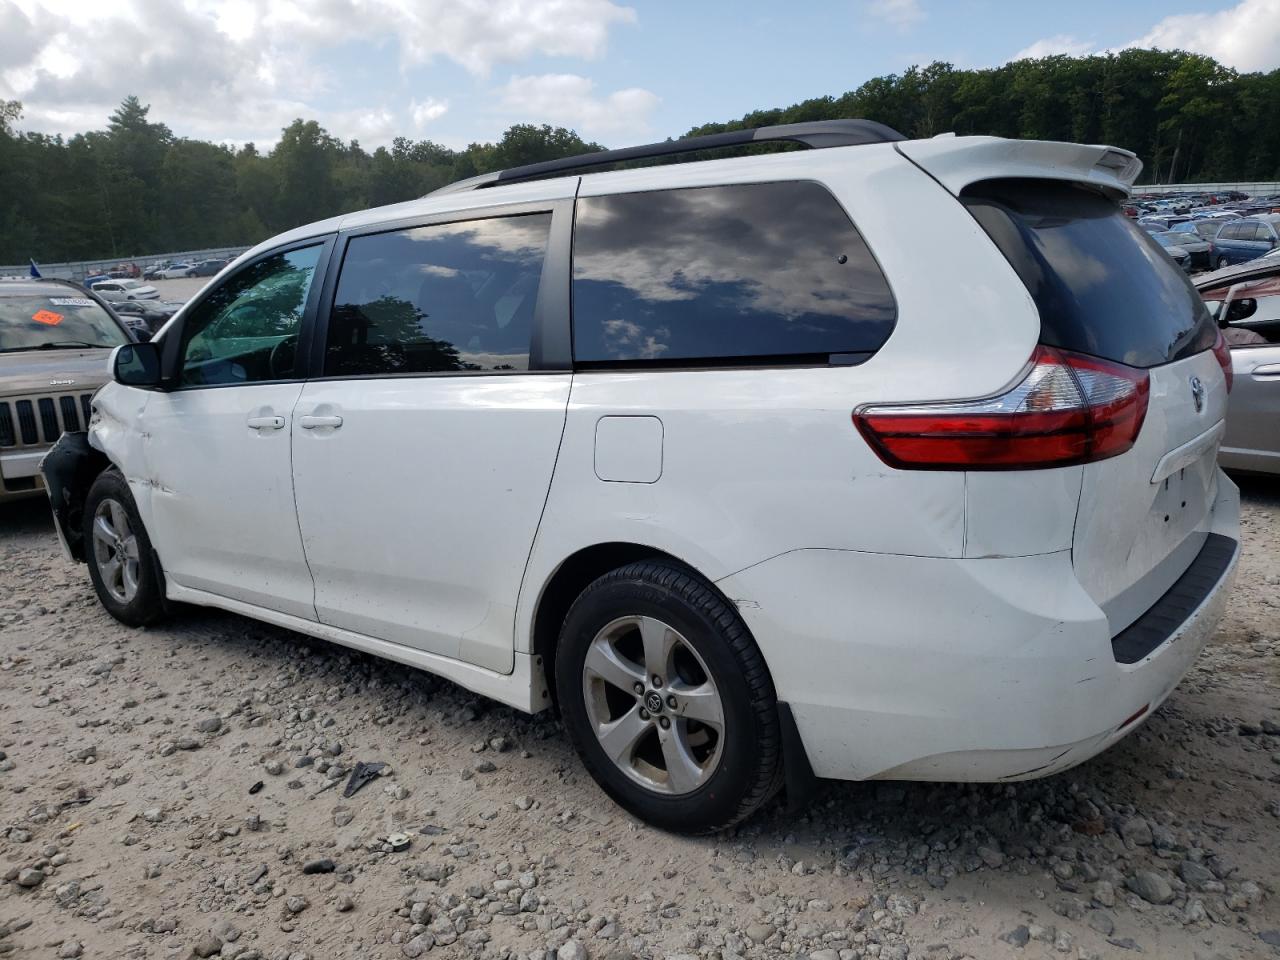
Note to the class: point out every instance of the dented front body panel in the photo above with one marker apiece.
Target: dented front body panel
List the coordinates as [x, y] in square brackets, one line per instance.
[69, 469]
[220, 494]
[113, 438]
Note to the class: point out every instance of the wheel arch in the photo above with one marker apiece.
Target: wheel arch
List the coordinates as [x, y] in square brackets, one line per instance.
[70, 469]
[574, 574]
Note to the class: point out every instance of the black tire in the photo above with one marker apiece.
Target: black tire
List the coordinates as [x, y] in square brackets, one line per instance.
[749, 769]
[147, 604]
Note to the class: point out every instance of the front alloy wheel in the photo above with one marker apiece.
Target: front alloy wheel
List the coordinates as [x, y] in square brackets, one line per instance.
[124, 569]
[115, 550]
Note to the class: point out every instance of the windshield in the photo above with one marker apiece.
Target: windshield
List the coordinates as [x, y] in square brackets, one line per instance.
[48, 322]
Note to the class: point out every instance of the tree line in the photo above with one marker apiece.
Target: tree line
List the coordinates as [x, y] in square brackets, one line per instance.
[135, 188]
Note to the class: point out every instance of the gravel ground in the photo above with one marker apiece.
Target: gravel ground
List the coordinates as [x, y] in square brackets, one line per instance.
[176, 791]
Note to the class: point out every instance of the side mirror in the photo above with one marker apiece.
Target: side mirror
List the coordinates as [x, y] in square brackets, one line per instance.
[136, 365]
[1241, 309]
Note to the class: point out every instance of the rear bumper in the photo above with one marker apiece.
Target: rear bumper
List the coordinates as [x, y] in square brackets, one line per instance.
[935, 669]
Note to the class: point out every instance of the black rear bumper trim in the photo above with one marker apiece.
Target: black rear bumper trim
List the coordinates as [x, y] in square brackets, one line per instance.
[1182, 599]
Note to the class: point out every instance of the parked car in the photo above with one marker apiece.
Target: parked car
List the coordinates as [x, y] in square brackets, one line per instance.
[172, 272]
[55, 343]
[699, 521]
[1242, 240]
[150, 315]
[1171, 242]
[117, 290]
[1204, 229]
[206, 268]
[1199, 253]
[1247, 306]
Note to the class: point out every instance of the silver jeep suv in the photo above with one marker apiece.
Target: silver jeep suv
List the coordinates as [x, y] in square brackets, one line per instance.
[55, 346]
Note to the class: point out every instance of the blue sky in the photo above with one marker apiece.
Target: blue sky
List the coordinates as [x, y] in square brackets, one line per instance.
[458, 71]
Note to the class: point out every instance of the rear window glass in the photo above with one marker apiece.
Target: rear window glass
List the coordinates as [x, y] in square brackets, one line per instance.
[1102, 286]
[61, 320]
[765, 272]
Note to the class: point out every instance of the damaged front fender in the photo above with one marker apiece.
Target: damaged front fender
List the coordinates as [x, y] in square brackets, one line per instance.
[69, 470]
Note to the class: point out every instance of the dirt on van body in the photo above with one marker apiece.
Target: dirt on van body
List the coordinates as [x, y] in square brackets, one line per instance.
[177, 791]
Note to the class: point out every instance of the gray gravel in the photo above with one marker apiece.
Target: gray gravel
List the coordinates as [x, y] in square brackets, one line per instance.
[128, 827]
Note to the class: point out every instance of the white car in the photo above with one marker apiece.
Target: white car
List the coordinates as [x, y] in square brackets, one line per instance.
[802, 491]
[117, 290]
[174, 271]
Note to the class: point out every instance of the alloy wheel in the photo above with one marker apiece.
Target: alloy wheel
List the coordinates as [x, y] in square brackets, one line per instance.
[653, 705]
[115, 550]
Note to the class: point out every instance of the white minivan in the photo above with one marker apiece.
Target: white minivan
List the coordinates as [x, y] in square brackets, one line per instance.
[885, 459]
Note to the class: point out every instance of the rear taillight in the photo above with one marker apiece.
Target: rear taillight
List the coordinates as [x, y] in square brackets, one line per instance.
[1223, 352]
[1068, 409]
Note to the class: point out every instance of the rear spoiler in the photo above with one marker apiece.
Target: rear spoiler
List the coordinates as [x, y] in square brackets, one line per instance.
[955, 162]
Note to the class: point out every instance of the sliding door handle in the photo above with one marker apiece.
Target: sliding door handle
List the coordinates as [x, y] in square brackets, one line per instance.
[265, 423]
[311, 423]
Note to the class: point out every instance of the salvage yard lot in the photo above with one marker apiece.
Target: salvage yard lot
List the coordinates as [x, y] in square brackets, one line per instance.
[128, 827]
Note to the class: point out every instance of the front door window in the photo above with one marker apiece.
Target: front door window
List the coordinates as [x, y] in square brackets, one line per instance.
[246, 331]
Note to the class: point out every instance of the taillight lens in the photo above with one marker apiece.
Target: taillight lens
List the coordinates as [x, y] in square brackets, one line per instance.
[1068, 409]
[1223, 352]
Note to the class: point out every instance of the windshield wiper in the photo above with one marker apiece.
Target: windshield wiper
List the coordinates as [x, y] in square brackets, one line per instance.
[59, 345]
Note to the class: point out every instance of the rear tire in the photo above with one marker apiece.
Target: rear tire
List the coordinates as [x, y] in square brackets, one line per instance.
[668, 700]
[122, 565]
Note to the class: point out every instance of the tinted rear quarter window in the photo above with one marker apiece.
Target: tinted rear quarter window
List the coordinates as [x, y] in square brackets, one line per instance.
[1102, 286]
[740, 274]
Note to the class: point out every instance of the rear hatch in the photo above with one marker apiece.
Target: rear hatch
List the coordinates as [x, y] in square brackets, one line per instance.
[1106, 289]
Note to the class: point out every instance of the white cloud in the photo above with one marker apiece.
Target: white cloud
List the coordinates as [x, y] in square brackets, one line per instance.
[1246, 36]
[898, 13]
[423, 112]
[1062, 43]
[568, 100]
[237, 70]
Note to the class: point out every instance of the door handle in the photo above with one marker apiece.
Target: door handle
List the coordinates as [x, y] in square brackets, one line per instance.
[311, 423]
[1266, 371]
[265, 423]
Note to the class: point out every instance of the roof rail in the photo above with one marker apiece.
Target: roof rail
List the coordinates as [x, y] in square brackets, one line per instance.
[815, 134]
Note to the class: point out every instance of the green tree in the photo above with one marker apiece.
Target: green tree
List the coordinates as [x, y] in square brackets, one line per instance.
[134, 188]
